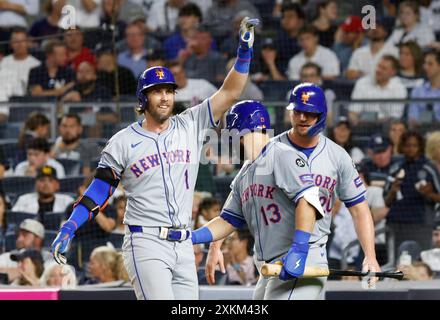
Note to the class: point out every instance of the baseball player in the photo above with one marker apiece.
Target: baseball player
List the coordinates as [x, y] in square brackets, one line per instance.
[333, 171]
[275, 196]
[157, 161]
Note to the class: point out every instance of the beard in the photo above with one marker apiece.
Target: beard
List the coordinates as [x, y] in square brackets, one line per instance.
[70, 140]
[158, 116]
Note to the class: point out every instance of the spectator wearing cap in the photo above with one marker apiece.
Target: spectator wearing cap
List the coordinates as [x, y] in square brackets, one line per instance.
[76, 52]
[30, 236]
[432, 256]
[411, 214]
[69, 144]
[277, 53]
[30, 265]
[327, 13]
[383, 85]
[53, 78]
[342, 135]
[410, 26]
[364, 60]
[312, 51]
[190, 90]
[221, 14]
[107, 67]
[87, 12]
[203, 62]
[48, 25]
[430, 89]
[380, 163]
[410, 65]
[86, 87]
[46, 198]
[38, 155]
[348, 38]
[189, 17]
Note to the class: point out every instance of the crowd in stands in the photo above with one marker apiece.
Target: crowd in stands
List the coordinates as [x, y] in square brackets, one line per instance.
[81, 67]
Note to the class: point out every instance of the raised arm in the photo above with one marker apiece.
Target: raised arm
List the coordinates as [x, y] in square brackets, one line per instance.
[236, 79]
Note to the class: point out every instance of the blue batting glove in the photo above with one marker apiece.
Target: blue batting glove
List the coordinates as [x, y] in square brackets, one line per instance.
[62, 241]
[294, 262]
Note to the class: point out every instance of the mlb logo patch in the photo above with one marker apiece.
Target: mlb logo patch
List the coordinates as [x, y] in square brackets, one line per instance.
[358, 182]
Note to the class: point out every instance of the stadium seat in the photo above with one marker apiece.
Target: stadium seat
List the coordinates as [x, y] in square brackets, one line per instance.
[16, 217]
[18, 185]
[223, 186]
[20, 113]
[11, 152]
[116, 240]
[49, 237]
[342, 87]
[71, 167]
[10, 238]
[276, 90]
[71, 184]
[53, 220]
[128, 114]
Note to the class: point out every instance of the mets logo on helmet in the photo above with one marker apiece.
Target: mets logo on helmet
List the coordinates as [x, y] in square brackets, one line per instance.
[160, 74]
[305, 96]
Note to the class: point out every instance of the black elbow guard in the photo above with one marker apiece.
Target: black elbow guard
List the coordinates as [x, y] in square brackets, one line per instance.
[107, 175]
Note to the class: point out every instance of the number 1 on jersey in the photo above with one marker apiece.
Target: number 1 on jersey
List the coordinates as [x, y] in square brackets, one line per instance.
[186, 179]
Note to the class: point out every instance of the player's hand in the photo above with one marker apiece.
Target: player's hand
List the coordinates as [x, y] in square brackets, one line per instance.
[61, 243]
[371, 265]
[247, 31]
[214, 258]
[294, 262]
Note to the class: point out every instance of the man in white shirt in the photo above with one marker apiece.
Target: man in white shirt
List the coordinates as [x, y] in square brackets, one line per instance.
[383, 85]
[313, 52]
[432, 256]
[190, 90]
[38, 155]
[365, 59]
[46, 198]
[87, 12]
[20, 62]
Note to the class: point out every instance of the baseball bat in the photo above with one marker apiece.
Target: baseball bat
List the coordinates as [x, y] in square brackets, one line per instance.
[269, 270]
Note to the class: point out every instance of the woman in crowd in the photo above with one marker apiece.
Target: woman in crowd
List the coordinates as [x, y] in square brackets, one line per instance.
[410, 64]
[106, 265]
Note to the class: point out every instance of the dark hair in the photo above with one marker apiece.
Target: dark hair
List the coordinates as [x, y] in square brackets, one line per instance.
[393, 60]
[308, 29]
[416, 53]
[39, 144]
[322, 5]
[289, 6]
[72, 115]
[4, 221]
[208, 203]
[191, 9]
[50, 46]
[245, 234]
[33, 121]
[435, 53]
[411, 134]
[19, 30]
[312, 65]
[411, 4]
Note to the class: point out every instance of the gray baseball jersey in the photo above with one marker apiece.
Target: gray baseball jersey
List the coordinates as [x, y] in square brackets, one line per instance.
[159, 171]
[334, 172]
[264, 195]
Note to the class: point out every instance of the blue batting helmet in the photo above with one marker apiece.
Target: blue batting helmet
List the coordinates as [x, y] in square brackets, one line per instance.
[248, 114]
[308, 97]
[152, 77]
